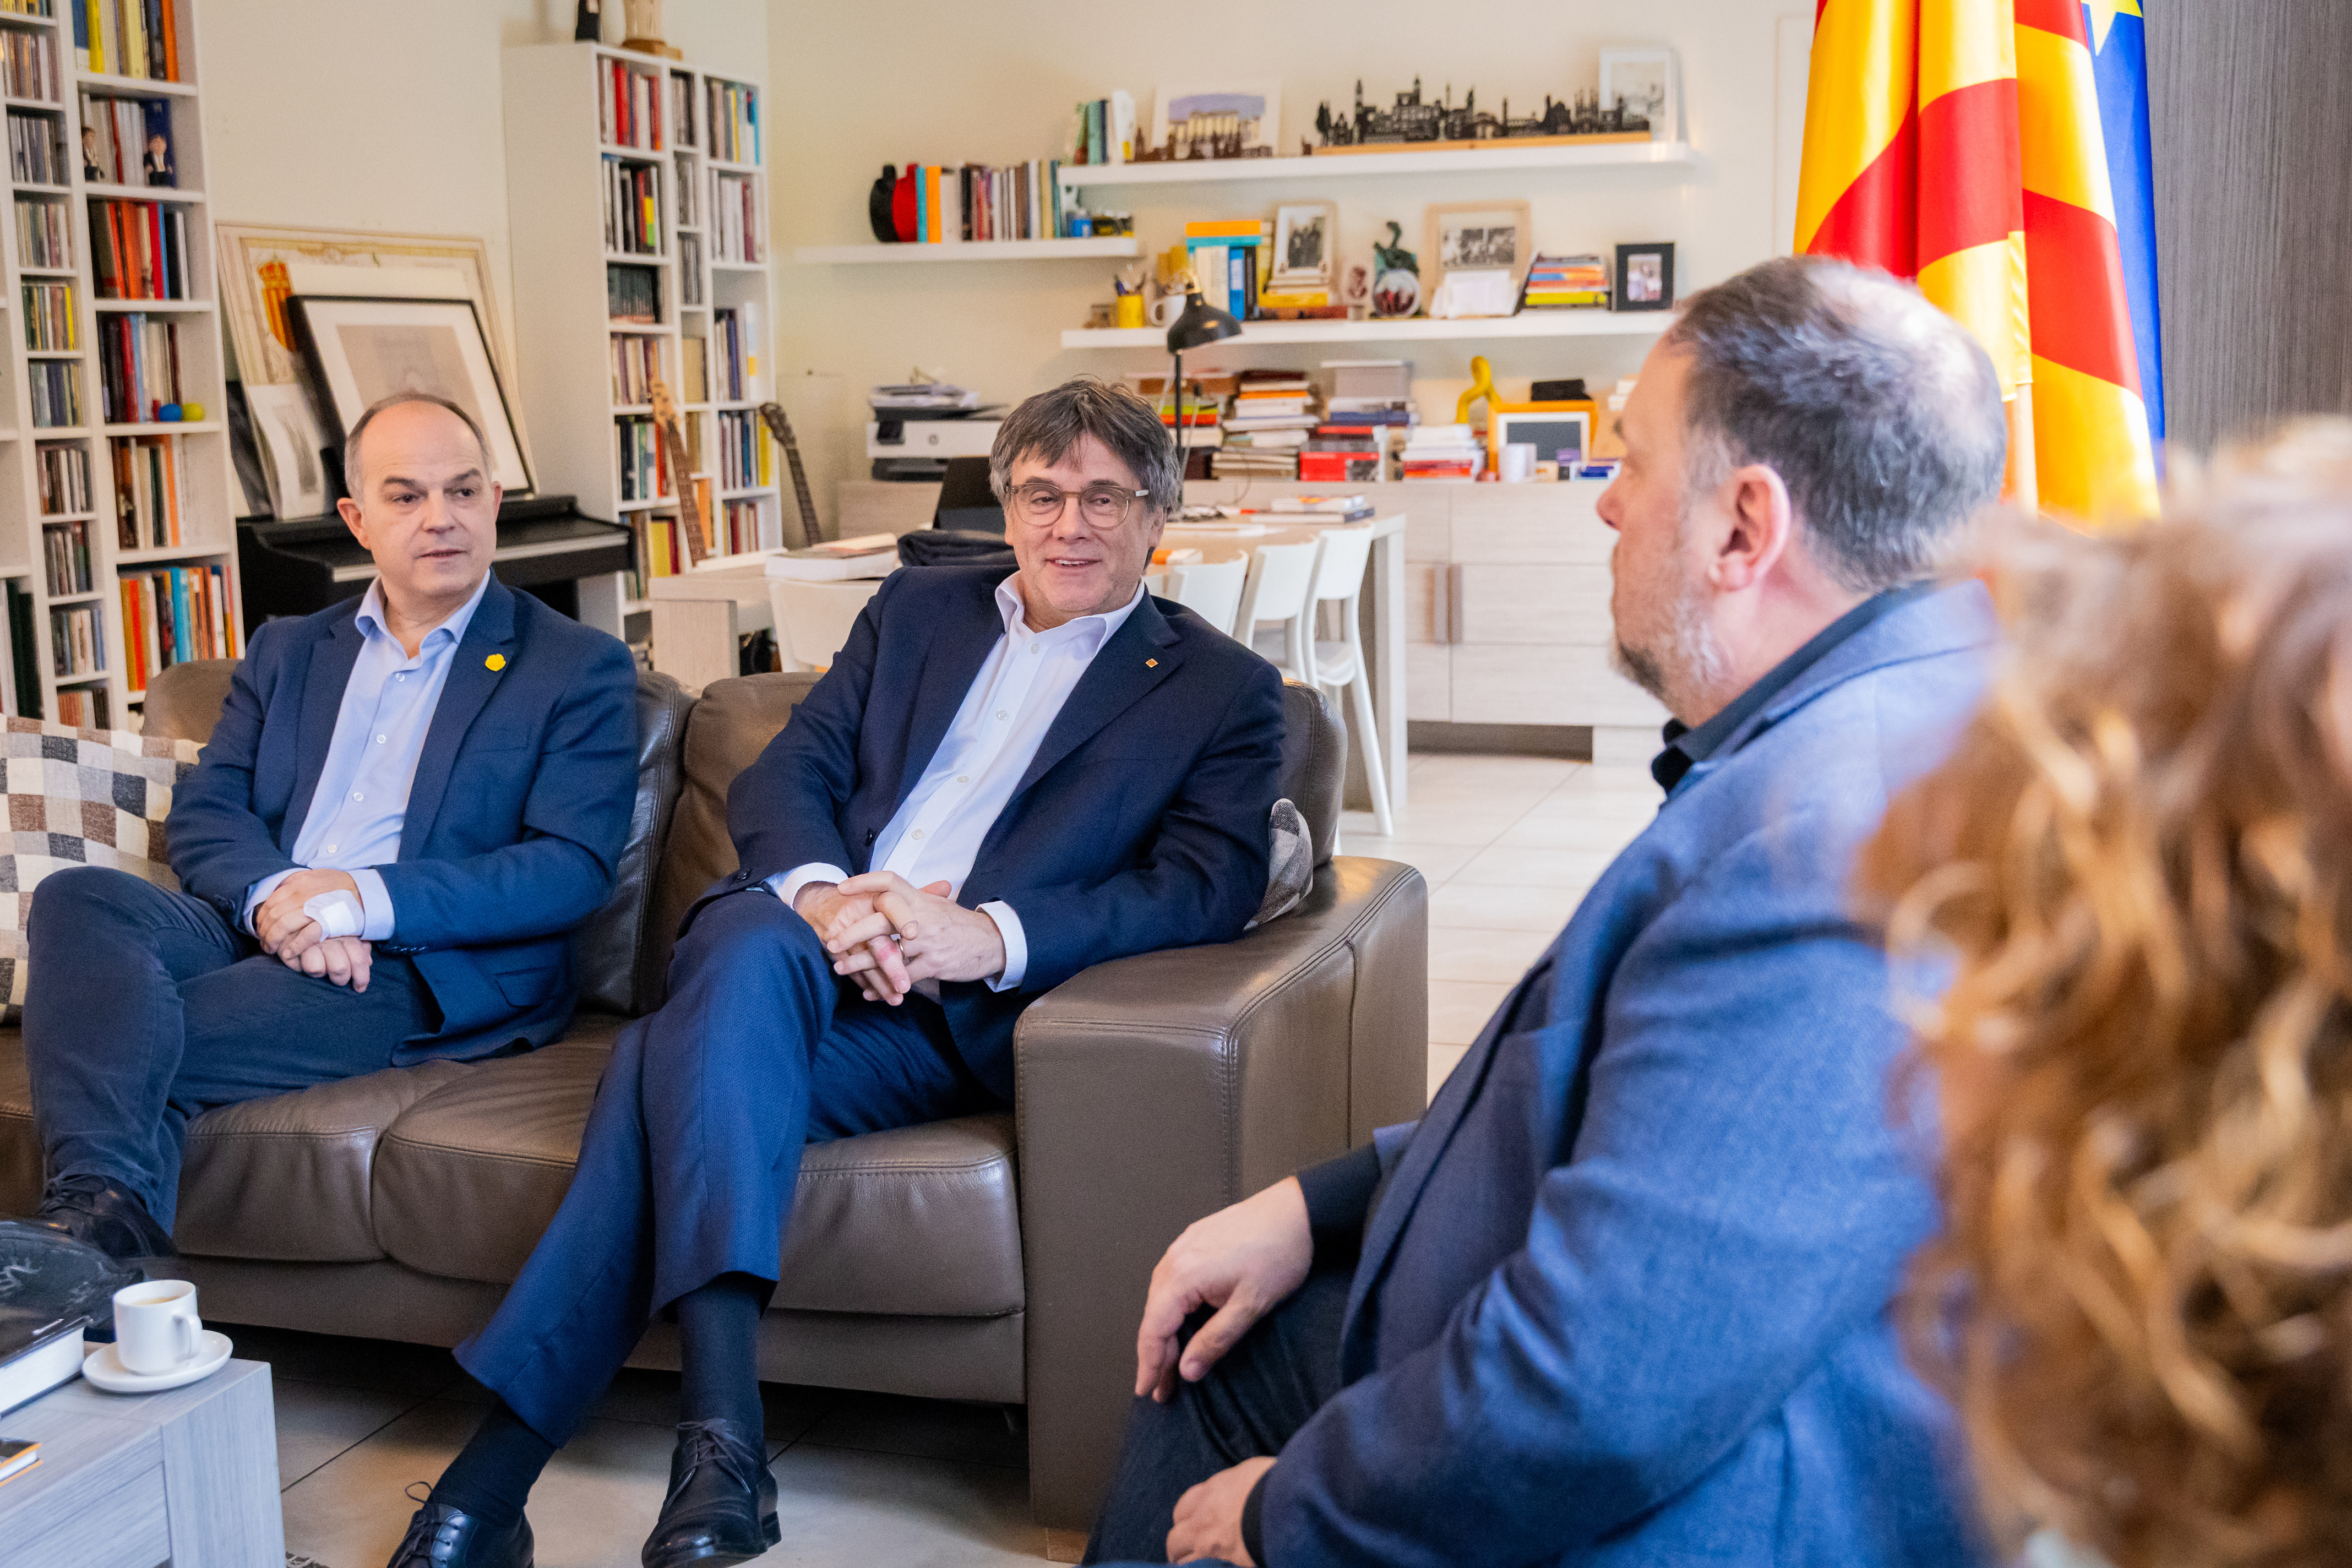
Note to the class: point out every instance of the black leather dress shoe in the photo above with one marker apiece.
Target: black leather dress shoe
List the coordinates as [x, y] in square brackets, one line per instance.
[96, 1213]
[440, 1536]
[721, 1507]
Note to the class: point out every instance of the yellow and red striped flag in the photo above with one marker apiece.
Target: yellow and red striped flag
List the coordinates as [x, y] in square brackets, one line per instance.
[1959, 143]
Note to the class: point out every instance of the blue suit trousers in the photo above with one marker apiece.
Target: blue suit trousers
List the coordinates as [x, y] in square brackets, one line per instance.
[687, 1166]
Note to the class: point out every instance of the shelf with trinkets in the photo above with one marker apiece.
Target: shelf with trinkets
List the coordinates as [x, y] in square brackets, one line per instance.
[1401, 160]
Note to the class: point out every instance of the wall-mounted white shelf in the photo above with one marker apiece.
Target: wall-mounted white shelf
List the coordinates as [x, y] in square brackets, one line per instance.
[969, 250]
[1533, 324]
[1217, 171]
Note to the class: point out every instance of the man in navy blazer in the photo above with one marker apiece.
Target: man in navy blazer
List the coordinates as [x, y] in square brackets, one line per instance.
[1002, 781]
[408, 802]
[1623, 1295]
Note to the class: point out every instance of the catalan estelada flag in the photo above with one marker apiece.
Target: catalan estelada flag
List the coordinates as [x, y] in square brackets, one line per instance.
[1959, 142]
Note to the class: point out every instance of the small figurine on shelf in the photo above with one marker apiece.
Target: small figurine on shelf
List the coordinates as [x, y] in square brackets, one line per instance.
[588, 27]
[1396, 283]
[158, 164]
[879, 205]
[644, 19]
[91, 173]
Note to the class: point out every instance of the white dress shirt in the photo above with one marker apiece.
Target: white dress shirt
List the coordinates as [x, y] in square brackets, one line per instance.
[361, 799]
[937, 832]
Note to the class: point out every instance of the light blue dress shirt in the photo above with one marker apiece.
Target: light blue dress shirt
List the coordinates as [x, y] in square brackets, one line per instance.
[361, 800]
[936, 833]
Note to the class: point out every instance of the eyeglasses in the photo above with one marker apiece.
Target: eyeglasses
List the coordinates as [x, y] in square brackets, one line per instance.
[1103, 506]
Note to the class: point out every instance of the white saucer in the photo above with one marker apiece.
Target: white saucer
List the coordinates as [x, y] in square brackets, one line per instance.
[104, 1367]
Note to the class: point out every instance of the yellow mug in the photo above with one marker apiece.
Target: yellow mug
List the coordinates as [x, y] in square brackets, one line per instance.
[1130, 309]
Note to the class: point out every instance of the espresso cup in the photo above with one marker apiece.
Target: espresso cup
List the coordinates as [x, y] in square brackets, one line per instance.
[155, 1326]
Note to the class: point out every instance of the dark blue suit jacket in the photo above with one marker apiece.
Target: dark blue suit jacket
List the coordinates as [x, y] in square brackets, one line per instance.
[1624, 1298]
[516, 819]
[1140, 825]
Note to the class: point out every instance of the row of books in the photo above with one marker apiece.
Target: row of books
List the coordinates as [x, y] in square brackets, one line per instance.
[689, 269]
[139, 250]
[734, 122]
[35, 156]
[632, 294]
[730, 373]
[629, 106]
[56, 394]
[683, 178]
[82, 709]
[170, 616]
[65, 478]
[632, 208]
[65, 558]
[150, 477]
[29, 65]
[1233, 260]
[977, 202]
[27, 8]
[1103, 130]
[44, 232]
[661, 545]
[1566, 283]
[645, 467]
[693, 370]
[127, 37]
[127, 142]
[76, 642]
[1443, 452]
[637, 365]
[49, 317]
[138, 366]
[734, 218]
[681, 110]
[739, 526]
[743, 460]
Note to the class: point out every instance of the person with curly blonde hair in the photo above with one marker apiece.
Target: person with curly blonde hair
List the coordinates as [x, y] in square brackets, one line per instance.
[2135, 874]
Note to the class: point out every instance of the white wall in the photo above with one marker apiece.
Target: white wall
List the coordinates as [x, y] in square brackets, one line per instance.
[940, 82]
[384, 114]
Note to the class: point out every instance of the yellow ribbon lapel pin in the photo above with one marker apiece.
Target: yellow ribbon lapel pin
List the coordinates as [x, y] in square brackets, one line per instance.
[495, 661]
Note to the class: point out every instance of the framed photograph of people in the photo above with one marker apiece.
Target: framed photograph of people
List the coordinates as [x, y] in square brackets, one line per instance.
[360, 350]
[1646, 276]
[1647, 83]
[1476, 237]
[1305, 247]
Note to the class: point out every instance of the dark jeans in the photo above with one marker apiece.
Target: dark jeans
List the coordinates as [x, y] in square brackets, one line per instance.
[144, 1008]
[1251, 1404]
[687, 1166]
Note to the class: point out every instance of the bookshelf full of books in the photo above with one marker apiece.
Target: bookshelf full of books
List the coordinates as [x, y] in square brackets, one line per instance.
[638, 206]
[117, 545]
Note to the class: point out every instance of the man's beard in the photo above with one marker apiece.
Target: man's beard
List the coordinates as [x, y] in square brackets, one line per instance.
[1692, 664]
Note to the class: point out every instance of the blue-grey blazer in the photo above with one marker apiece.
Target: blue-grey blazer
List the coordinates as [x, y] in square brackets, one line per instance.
[1625, 1296]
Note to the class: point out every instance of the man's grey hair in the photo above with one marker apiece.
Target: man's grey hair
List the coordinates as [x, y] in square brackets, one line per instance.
[1881, 414]
[353, 473]
[1047, 426]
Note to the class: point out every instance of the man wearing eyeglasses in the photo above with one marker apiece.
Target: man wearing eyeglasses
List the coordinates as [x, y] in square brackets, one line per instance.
[1001, 782]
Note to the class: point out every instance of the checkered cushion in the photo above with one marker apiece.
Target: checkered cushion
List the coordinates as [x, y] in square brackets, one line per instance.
[79, 797]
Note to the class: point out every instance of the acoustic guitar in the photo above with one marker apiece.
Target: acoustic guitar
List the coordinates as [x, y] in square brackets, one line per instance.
[782, 428]
[693, 501]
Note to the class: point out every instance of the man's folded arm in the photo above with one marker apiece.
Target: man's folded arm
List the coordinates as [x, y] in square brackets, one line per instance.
[218, 848]
[1204, 875]
[1735, 1209]
[784, 811]
[575, 821]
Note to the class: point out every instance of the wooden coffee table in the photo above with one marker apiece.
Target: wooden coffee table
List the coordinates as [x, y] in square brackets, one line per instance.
[188, 1477]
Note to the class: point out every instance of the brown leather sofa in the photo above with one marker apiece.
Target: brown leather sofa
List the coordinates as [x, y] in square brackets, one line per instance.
[997, 1257]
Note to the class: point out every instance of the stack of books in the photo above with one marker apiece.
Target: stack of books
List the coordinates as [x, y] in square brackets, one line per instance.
[1341, 454]
[1203, 423]
[1369, 397]
[1227, 256]
[1438, 452]
[1273, 416]
[1566, 283]
[1103, 130]
[1347, 509]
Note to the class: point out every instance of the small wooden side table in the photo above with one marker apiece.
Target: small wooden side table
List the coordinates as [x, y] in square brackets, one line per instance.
[187, 1477]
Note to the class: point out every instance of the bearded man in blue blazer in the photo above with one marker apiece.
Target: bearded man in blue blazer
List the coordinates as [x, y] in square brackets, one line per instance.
[408, 802]
[1002, 780]
[1621, 1296]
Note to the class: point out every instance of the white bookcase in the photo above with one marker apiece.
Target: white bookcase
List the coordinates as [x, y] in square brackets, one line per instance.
[559, 158]
[196, 450]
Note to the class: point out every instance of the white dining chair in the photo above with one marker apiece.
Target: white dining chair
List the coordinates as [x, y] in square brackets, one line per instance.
[1211, 589]
[1276, 590]
[812, 619]
[1337, 665]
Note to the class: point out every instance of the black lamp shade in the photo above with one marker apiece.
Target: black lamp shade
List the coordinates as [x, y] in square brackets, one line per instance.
[1200, 325]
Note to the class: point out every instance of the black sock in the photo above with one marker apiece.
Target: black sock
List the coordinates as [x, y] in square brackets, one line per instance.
[493, 1473]
[717, 1328]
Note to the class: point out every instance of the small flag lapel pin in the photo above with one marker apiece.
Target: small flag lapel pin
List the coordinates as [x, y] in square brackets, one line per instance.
[495, 661]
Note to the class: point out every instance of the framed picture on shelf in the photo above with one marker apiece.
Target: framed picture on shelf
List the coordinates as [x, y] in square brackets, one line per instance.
[289, 444]
[360, 350]
[1222, 121]
[1646, 276]
[1476, 237]
[1649, 84]
[1305, 247]
[1559, 435]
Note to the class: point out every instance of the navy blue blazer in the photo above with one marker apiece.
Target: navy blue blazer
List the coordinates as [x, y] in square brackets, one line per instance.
[1140, 825]
[1624, 1297]
[517, 815]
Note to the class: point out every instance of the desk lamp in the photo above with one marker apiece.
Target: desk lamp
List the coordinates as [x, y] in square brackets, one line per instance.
[1199, 325]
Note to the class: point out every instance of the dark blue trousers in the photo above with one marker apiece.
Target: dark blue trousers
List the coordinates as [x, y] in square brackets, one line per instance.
[143, 1006]
[687, 1165]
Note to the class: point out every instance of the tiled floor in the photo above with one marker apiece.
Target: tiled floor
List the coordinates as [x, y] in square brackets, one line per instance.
[1508, 846]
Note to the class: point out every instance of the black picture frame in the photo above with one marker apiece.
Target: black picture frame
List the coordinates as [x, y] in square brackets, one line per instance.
[1657, 278]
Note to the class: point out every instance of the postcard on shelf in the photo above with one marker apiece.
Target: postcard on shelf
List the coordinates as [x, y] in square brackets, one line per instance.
[1232, 120]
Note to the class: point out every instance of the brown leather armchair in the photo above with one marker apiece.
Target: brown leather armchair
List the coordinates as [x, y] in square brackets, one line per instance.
[997, 1257]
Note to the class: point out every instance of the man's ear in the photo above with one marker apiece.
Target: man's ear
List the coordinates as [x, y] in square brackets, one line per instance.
[1762, 526]
[349, 509]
